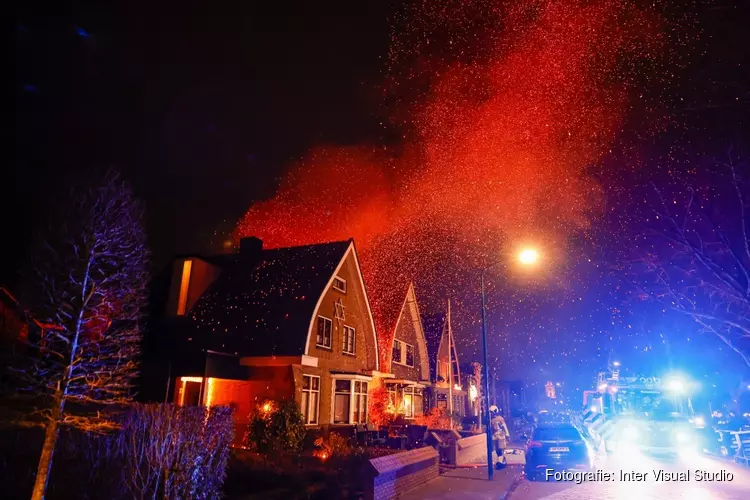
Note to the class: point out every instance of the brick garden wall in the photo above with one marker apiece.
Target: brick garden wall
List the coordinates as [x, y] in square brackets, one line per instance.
[399, 473]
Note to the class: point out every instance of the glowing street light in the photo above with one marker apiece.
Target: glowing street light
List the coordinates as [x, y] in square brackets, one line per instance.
[528, 256]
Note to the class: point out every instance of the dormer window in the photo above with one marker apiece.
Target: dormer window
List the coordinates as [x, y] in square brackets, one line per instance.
[187, 267]
[339, 284]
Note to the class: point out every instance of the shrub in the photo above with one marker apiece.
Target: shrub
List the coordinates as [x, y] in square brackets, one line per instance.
[175, 451]
[382, 410]
[439, 418]
[335, 446]
[275, 427]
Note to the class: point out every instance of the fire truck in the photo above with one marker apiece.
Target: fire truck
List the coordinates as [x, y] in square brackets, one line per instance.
[650, 414]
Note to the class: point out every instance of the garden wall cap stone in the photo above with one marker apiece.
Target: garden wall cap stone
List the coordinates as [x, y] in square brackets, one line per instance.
[468, 442]
[390, 463]
[446, 433]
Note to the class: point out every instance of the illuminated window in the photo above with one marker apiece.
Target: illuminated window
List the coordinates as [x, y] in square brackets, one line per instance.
[184, 287]
[325, 327]
[310, 398]
[350, 337]
[408, 402]
[339, 284]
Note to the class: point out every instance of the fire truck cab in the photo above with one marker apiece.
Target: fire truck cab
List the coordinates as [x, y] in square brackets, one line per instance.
[650, 414]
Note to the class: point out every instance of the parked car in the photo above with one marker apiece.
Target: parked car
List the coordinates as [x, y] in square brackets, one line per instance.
[558, 447]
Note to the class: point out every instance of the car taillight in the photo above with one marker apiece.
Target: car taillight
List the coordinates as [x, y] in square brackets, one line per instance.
[535, 444]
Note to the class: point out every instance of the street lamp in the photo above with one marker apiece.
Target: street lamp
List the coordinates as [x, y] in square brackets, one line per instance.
[527, 256]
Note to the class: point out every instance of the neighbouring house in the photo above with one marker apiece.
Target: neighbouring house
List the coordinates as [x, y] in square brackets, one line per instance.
[410, 366]
[18, 326]
[446, 391]
[14, 322]
[282, 323]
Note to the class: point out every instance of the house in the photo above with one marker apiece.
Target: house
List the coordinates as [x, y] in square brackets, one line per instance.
[14, 322]
[446, 391]
[409, 358]
[283, 323]
[18, 327]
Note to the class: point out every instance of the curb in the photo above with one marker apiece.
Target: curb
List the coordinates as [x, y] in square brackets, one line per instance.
[513, 486]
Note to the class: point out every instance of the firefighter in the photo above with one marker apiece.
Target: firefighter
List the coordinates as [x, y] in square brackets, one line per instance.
[500, 435]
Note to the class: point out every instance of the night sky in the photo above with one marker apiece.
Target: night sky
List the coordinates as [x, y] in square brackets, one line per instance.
[199, 106]
[204, 107]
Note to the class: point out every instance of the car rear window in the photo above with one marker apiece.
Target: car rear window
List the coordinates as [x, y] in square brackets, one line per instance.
[557, 433]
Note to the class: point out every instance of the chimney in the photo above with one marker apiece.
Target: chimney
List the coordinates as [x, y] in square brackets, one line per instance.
[251, 247]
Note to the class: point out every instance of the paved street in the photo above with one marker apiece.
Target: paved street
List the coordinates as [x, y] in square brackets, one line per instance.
[466, 483]
[622, 488]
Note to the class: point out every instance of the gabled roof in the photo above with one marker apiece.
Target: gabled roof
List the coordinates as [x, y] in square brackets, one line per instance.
[262, 305]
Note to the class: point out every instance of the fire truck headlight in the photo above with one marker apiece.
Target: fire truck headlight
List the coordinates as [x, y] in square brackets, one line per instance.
[682, 437]
[630, 433]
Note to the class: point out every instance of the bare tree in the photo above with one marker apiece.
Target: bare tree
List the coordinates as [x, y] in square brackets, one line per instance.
[477, 369]
[693, 254]
[90, 288]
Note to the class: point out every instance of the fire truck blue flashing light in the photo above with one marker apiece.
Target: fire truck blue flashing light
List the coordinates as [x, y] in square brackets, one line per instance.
[676, 385]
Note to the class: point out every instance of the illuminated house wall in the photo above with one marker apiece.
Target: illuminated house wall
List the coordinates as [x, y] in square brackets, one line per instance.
[192, 275]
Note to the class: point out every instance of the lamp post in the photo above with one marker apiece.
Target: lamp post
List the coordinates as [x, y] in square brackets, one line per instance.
[527, 257]
[490, 465]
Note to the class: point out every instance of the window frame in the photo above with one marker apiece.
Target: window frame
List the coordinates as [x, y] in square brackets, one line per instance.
[393, 351]
[330, 335]
[338, 288]
[311, 391]
[355, 398]
[353, 331]
[402, 353]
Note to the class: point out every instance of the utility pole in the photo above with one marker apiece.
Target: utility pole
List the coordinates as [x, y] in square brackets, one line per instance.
[450, 359]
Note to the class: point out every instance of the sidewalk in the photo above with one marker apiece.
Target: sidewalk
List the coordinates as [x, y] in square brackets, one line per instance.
[468, 483]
